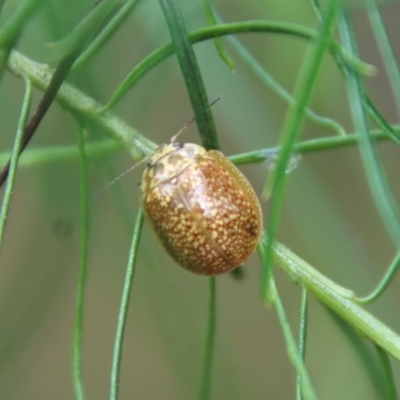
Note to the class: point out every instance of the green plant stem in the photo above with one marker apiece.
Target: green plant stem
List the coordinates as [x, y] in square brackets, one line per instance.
[217, 41]
[380, 121]
[302, 336]
[82, 31]
[338, 299]
[307, 388]
[293, 123]
[377, 179]
[14, 24]
[386, 50]
[387, 375]
[191, 74]
[12, 28]
[123, 311]
[361, 348]
[55, 154]
[106, 33]
[14, 158]
[83, 105]
[80, 296]
[316, 7]
[383, 284]
[291, 346]
[205, 388]
[45, 155]
[308, 146]
[269, 81]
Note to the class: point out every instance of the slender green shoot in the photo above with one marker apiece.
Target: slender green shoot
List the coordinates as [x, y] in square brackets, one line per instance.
[82, 31]
[279, 90]
[378, 118]
[217, 41]
[383, 284]
[292, 349]
[362, 349]
[307, 146]
[55, 154]
[106, 33]
[191, 74]
[12, 28]
[386, 50]
[97, 149]
[387, 375]
[205, 388]
[123, 311]
[377, 179]
[80, 296]
[291, 346]
[294, 120]
[14, 24]
[23, 117]
[316, 7]
[302, 337]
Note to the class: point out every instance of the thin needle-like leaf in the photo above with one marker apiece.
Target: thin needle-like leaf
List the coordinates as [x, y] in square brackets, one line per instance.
[191, 73]
[123, 311]
[80, 296]
[383, 284]
[387, 375]
[12, 28]
[375, 114]
[95, 149]
[205, 388]
[279, 90]
[217, 41]
[14, 158]
[106, 33]
[78, 37]
[294, 120]
[386, 50]
[378, 182]
[302, 337]
[291, 346]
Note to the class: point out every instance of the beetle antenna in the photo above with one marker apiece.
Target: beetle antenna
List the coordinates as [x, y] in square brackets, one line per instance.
[119, 177]
[173, 139]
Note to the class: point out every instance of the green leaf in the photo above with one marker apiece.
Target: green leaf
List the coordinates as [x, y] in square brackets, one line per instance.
[217, 41]
[77, 370]
[191, 74]
[123, 311]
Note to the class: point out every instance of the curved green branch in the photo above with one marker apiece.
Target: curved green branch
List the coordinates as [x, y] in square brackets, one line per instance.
[211, 32]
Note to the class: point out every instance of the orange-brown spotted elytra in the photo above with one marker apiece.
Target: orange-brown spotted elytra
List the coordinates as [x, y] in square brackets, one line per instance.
[201, 207]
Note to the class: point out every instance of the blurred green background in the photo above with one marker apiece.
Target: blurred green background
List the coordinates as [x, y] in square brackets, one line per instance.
[329, 220]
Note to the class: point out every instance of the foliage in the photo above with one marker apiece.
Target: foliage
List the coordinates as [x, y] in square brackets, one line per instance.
[183, 336]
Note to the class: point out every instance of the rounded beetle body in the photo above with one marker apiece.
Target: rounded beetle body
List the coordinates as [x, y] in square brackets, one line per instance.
[201, 207]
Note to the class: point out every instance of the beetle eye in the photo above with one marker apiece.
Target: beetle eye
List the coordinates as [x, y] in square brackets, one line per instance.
[177, 145]
[148, 162]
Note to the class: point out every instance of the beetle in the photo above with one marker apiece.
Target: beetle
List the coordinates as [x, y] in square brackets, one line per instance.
[201, 207]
